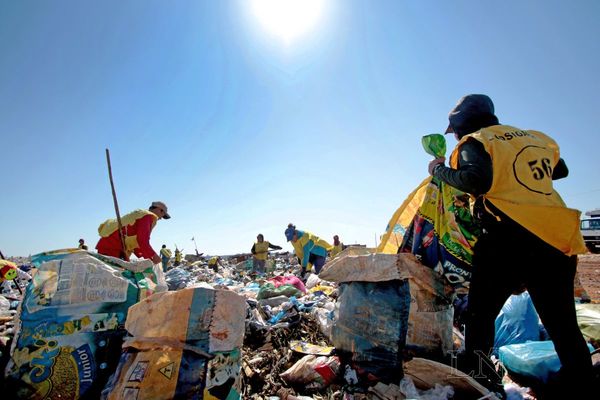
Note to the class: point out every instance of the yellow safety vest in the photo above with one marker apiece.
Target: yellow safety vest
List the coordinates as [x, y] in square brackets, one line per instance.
[302, 241]
[523, 161]
[110, 226]
[335, 250]
[261, 249]
[178, 256]
[298, 249]
[165, 252]
[212, 261]
[317, 241]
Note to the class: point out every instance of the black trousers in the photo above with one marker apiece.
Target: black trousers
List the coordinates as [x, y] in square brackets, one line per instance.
[506, 258]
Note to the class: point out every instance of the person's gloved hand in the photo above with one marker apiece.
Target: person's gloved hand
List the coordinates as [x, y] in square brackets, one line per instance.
[434, 162]
[302, 273]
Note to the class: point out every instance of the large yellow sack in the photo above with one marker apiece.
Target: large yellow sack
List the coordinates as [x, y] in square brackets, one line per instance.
[70, 325]
[149, 370]
[400, 221]
[185, 344]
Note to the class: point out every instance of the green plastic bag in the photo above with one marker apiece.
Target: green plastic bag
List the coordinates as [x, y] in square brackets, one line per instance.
[269, 290]
[434, 144]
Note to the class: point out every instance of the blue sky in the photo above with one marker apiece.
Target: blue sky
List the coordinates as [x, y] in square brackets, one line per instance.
[241, 132]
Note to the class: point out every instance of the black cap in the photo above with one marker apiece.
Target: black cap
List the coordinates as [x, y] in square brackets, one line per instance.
[470, 108]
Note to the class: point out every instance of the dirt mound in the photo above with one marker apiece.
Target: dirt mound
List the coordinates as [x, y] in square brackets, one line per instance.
[589, 275]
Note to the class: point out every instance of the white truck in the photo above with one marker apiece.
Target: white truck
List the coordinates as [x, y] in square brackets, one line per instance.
[590, 229]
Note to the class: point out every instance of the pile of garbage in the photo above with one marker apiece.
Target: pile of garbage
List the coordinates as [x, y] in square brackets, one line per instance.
[369, 326]
[14, 278]
[339, 335]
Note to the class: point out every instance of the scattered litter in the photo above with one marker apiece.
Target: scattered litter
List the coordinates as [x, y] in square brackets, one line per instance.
[308, 348]
[252, 336]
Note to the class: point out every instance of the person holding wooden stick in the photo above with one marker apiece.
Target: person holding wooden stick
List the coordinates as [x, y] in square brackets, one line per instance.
[136, 229]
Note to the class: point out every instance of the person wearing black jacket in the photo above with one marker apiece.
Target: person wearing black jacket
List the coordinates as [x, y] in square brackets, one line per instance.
[509, 173]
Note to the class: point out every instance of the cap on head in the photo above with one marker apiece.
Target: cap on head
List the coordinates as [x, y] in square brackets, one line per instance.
[81, 240]
[161, 205]
[289, 232]
[472, 112]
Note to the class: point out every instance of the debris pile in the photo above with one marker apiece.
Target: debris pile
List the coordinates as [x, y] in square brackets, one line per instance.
[369, 326]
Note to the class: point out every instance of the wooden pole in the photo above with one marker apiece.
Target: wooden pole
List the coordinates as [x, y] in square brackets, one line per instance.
[114, 194]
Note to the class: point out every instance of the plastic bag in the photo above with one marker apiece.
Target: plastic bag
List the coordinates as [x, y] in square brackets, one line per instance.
[177, 278]
[434, 144]
[312, 281]
[313, 372]
[4, 304]
[438, 392]
[442, 234]
[325, 320]
[533, 359]
[309, 348]
[288, 280]
[269, 290]
[588, 319]
[518, 322]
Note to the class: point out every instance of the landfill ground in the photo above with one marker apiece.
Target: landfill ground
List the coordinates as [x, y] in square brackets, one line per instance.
[268, 352]
[589, 275]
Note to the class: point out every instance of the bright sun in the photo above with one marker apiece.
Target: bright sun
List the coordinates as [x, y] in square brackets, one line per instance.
[288, 19]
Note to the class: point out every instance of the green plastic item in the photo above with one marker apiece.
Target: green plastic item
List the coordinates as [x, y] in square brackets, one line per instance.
[434, 144]
[269, 290]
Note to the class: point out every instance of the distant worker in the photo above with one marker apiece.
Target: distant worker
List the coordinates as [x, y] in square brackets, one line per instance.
[165, 256]
[310, 249]
[337, 247]
[82, 245]
[214, 263]
[260, 249]
[178, 256]
[137, 226]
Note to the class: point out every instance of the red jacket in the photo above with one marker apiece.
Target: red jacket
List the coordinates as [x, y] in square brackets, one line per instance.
[137, 235]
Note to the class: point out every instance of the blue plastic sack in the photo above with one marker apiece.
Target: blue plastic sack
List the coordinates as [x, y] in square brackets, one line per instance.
[371, 323]
[518, 322]
[177, 278]
[532, 359]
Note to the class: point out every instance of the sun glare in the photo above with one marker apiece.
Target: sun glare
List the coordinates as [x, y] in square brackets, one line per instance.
[288, 19]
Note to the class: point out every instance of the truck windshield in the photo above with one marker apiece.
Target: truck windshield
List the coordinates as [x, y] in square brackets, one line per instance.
[590, 224]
